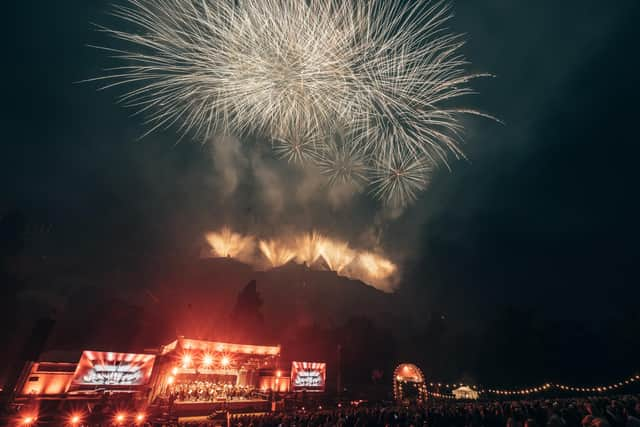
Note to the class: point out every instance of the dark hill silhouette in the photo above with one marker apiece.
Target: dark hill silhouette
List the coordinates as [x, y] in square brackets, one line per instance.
[135, 308]
[294, 297]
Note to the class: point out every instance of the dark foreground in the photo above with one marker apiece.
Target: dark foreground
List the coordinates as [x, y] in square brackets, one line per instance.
[620, 411]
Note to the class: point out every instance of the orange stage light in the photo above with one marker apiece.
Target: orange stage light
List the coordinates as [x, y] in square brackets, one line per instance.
[28, 420]
[207, 360]
[140, 417]
[186, 360]
[170, 380]
[225, 361]
[75, 420]
[174, 371]
[120, 418]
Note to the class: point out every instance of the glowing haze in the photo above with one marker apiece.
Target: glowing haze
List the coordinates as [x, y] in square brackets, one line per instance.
[313, 249]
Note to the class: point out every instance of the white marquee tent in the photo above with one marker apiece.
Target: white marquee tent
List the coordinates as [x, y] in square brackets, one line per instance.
[465, 392]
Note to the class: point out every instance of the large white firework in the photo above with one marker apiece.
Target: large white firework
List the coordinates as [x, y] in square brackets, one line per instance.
[385, 72]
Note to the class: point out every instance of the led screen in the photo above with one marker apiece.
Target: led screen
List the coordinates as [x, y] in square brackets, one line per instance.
[309, 376]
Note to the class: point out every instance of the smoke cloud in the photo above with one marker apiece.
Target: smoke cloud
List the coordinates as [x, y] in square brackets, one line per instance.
[271, 212]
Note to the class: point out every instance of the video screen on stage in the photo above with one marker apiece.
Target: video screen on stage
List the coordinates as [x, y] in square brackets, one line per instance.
[98, 368]
[308, 376]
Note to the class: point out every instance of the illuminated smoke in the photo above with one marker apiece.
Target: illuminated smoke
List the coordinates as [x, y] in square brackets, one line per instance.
[314, 250]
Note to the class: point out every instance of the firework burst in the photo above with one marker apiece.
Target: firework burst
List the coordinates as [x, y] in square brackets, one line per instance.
[387, 73]
[342, 163]
[398, 180]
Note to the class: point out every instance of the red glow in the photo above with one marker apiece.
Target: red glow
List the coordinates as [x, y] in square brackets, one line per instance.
[140, 417]
[75, 420]
[120, 418]
[28, 420]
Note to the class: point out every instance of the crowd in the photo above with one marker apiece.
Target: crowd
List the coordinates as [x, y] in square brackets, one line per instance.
[202, 390]
[599, 412]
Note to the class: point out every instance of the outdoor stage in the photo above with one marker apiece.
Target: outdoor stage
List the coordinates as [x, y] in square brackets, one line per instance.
[184, 378]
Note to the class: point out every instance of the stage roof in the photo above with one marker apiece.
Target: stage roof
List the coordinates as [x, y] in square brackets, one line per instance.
[221, 347]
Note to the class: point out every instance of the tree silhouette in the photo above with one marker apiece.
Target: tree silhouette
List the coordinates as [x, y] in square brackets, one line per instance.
[247, 319]
[12, 230]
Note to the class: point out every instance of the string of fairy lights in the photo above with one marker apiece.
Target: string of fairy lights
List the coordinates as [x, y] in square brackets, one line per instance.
[537, 389]
[446, 390]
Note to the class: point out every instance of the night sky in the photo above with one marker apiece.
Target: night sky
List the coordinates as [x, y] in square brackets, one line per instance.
[543, 216]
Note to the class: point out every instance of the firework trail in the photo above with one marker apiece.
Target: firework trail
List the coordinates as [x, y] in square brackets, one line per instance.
[343, 163]
[276, 252]
[387, 73]
[226, 243]
[336, 254]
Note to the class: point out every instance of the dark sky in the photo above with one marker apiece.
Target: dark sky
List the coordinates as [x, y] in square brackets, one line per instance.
[544, 213]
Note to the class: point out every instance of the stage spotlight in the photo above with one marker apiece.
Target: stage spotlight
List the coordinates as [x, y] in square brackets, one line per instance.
[225, 361]
[207, 360]
[140, 418]
[120, 418]
[170, 380]
[75, 420]
[28, 420]
[186, 360]
[174, 371]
